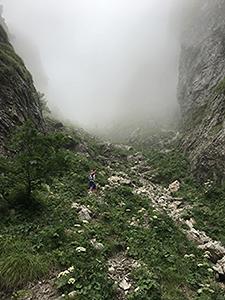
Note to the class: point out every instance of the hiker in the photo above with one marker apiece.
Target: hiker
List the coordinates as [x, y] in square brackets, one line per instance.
[91, 184]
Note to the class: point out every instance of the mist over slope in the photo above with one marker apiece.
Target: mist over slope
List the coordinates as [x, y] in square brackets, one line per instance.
[101, 61]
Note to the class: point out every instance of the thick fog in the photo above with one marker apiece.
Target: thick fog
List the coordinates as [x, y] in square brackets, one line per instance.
[101, 61]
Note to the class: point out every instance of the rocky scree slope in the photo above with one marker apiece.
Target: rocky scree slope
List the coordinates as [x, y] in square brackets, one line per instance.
[201, 89]
[19, 99]
[118, 243]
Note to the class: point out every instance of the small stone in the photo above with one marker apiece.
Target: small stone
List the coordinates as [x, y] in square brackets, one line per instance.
[71, 269]
[125, 285]
[84, 214]
[96, 245]
[189, 255]
[136, 265]
[142, 210]
[71, 281]
[210, 270]
[80, 249]
[174, 186]
[200, 265]
[72, 295]
[111, 269]
[75, 205]
[85, 221]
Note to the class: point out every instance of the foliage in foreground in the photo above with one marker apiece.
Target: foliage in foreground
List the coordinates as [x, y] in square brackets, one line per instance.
[35, 158]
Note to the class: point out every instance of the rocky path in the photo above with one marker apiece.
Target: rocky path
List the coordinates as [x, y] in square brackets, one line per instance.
[120, 266]
[163, 201]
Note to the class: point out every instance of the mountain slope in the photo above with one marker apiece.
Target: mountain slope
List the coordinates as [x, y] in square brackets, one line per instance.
[19, 99]
[116, 244]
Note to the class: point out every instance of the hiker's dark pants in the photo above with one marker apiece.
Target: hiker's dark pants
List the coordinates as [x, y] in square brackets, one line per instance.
[92, 185]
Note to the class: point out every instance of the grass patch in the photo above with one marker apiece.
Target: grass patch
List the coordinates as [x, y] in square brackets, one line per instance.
[167, 166]
[20, 265]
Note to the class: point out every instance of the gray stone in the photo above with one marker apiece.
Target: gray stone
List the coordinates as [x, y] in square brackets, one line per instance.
[124, 284]
[96, 245]
[220, 266]
[215, 248]
[84, 213]
[174, 186]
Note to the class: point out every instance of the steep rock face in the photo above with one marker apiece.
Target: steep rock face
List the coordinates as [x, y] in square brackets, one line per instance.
[201, 90]
[19, 99]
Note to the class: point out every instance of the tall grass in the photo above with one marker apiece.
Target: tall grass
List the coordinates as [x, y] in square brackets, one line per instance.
[19, 265]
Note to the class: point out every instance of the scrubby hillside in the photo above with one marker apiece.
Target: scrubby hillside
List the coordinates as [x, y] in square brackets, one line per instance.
[128, 241]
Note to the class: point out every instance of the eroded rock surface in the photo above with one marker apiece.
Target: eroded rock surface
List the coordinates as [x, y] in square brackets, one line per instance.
[201, 89]
[19, 100]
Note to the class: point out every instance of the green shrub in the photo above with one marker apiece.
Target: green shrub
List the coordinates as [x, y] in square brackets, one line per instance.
[50, 238]
[124, 191]
[37, 158]
[89, 280]
[18, 198]
[148, 284]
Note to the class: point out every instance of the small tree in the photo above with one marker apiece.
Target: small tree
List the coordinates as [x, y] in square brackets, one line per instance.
[43, 103]
[37, 157]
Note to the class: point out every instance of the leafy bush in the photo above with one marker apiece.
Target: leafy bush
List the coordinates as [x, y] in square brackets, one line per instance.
[148, 285]
[89, 280]
[124, 191]
[50, 238]
[36, 158]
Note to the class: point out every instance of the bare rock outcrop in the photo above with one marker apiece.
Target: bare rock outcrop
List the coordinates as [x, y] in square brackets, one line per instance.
[19, 100]
[201, 89]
